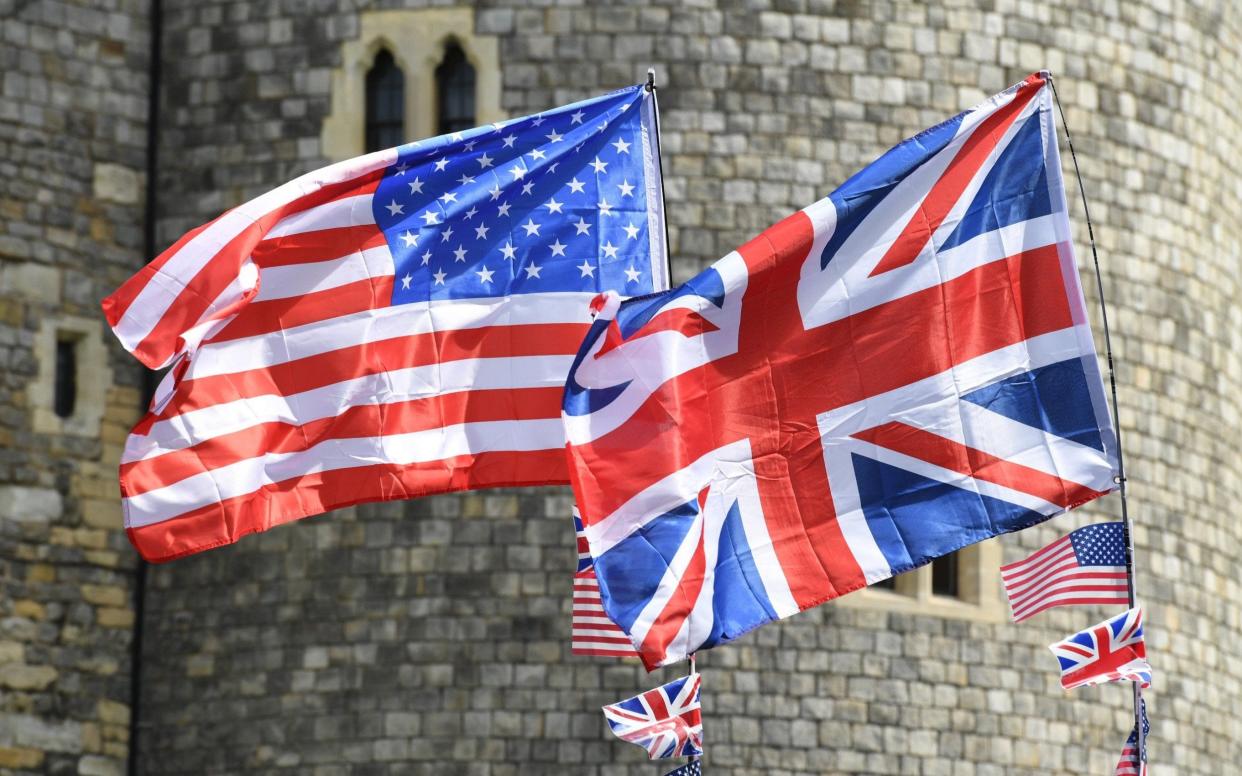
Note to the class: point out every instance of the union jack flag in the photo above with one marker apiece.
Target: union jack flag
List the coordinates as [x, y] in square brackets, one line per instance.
[665, 721]
[1133, 761]
[1112, 651]
[899, 370]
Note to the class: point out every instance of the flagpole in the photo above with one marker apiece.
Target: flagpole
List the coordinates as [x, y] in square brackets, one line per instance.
[659, 152]
[1140, 737]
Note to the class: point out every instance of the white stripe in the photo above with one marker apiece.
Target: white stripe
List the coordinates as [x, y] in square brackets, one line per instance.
[1029, 608]
[244, 477]
[654, 191]
[153, 301]
[263, 350]
[1063, 586]
[338, 213]
[1037, 559]
[283, 282]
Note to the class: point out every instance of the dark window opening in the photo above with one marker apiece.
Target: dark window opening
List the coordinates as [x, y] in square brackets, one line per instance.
[66, 386]
[454, 91]
[385, 104]
[944, 576]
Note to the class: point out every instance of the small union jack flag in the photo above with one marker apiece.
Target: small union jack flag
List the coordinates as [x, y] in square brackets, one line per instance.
[665, 721]
[1112, 651]
[1133, 760]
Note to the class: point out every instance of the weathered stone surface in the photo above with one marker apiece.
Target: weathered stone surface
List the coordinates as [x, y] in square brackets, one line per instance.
[30, 505]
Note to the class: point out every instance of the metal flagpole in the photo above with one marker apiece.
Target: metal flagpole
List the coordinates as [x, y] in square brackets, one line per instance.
[668, 256]
[1112, 379]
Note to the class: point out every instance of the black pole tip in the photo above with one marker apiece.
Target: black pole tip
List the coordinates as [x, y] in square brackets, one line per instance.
[651, 79]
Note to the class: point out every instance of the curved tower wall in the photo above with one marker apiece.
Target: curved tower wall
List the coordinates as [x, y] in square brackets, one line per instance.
[432, 636]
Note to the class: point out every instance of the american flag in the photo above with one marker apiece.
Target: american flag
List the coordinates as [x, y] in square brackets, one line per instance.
[1112, 651]
[689, 769]
[666, 721]
[388, 327]
[1086, 567]
[1133, 762]
[593, 632]
[899, 370]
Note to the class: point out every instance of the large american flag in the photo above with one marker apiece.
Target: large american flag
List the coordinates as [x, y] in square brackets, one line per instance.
[593, 633]
[388, 327]
[1086, 567]
[666, 721]
[1111, 651]
[899, 370]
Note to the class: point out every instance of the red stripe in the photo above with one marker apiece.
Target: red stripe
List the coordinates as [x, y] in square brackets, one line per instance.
[601, 652]
[948, 454]
[678, 607]
[292, 377]
[948, 189]
[368, 420]
[275, 315]
[1063, 547]
[283, 502]
[118, 303]
[1085, 601]
[1070, 573]
[316, 246]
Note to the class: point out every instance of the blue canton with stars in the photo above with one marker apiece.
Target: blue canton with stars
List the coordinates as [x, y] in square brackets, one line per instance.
[557, 201]
[1101, 544]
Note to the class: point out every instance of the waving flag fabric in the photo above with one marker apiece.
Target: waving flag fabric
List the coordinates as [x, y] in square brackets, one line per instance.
[665, 721]
[1133, 760]
[388, 327]
[1112, 651]
[899, 370]
[593, 632]
[1086, 567]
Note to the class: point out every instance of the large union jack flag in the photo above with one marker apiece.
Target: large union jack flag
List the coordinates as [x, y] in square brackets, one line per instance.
[897, 371]
[666, 721]
[1112, 651]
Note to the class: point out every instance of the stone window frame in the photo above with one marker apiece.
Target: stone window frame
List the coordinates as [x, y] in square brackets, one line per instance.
[416, 39]
[979, 590]
[93, 370]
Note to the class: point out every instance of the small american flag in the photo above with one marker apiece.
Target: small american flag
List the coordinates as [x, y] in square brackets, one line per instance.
[1133, 762]
[666, 721]
[593, 632]
[1112, 651]
[689, 769]
[1087, 567]
[388, 327]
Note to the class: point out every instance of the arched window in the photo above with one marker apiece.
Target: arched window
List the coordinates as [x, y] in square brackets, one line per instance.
[385, 104]
[454, 91]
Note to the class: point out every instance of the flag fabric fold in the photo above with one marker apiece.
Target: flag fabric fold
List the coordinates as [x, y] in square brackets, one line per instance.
[388, 327]
[899, 370]
[1087, 567]
[666, 721]
[1110, 651]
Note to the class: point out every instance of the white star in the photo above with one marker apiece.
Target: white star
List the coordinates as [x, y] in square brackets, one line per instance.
[528, 187]
[471, 213]
[517, 172]
[538, 120]
[470, 145]
[503, 209]
[621, 146]
[508, 250]
[448, 196]
[416, 186]
[495, 192]
[575, 186]
[623, 107]
[532, 270]
[632, 275]
[395, 209]
[480, 232]
[576, 118]
[441, 164]
[553, 137]
[485, 274]
[405, 281]
[599, 166]
[430, 218]
[409, 238]
[586, 269]
[426, 258]
[401, 168]
[460, 253]
[537, 154]
[609, 249]
[531, 227]
[553, 206]
[557, 248]
[582, 226]
[440, 275]
[552, 167]
[448, 234]
[604, 208]
[484, 161]
[464, 179]
[509, 141]
[627, 188]
[456, 136]
[631, 231]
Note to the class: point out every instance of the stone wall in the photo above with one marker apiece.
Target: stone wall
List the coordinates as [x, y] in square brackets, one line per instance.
[73, 109]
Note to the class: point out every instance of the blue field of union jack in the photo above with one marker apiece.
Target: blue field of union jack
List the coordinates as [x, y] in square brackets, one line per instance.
[899, 370]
